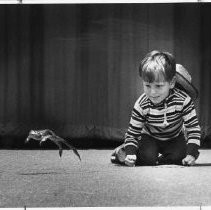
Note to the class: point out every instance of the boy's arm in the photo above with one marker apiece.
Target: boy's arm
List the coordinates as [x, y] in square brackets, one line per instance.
[133, 134]
[192, 127]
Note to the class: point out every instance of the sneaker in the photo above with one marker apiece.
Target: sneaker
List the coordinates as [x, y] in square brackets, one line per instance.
[118, 156]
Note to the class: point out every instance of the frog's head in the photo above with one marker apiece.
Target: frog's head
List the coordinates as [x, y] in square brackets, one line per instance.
[34, 134]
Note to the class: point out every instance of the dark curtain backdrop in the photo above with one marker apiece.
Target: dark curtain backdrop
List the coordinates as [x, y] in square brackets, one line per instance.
[73, 68]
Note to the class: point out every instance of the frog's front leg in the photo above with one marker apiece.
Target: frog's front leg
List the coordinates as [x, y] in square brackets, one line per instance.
[27, 139]
[53, 139]
[45, 138]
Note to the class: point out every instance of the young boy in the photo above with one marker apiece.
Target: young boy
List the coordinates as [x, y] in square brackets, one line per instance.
[160, 116]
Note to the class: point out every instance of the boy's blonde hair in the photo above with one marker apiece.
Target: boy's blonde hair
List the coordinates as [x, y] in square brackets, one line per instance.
[157, 66]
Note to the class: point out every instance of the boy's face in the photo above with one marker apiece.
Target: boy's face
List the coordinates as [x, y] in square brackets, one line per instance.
[157, 91]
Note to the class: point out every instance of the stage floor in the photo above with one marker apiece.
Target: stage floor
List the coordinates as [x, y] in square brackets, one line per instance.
[40, 178]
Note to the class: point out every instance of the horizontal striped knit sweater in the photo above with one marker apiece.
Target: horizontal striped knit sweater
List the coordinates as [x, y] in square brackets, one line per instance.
[164, 121]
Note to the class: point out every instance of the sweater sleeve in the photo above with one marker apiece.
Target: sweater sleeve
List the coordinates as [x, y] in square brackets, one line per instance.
[192, 128]
[133, 134]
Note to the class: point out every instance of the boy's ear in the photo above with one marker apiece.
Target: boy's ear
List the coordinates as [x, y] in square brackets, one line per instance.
[172, 83]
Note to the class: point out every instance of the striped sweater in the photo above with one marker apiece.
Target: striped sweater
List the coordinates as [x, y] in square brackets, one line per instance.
[164, 121]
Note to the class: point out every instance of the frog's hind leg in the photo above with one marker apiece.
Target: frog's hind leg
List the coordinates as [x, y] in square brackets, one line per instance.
[70, 147]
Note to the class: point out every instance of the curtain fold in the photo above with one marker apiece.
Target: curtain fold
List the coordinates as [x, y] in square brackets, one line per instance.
[204, 69]
[74, 68]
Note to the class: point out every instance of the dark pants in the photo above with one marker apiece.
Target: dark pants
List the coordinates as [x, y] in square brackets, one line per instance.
[173, 151]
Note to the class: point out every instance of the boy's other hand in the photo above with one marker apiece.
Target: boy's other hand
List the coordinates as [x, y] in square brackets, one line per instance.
[189, 160]
[130, 160]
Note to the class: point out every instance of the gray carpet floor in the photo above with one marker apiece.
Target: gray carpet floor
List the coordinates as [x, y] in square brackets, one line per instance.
[40, 178]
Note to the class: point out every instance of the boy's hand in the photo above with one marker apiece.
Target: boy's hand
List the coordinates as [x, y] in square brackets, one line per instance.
[189, 160]
[130, 160]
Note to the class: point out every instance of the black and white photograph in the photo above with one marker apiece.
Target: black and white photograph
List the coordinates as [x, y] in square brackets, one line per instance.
[105, 104]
